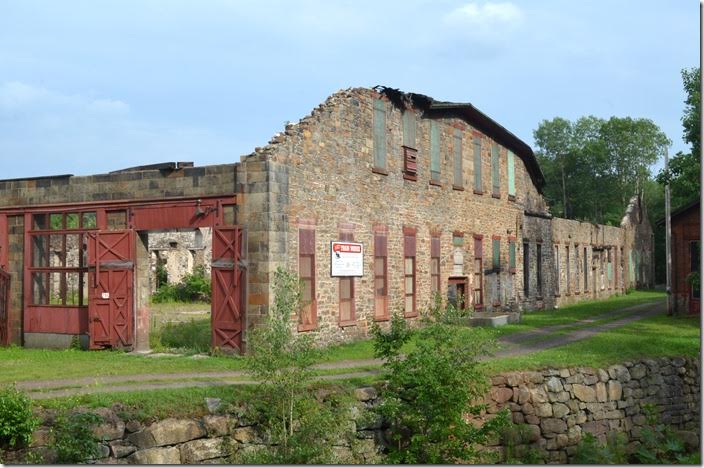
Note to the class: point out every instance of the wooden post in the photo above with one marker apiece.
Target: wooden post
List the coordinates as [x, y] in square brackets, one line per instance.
[668, 239]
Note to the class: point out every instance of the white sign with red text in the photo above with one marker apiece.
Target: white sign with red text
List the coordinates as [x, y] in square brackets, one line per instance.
[346, 259]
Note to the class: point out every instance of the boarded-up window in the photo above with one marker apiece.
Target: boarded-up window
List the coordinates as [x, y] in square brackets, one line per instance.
[409, 128]
[478, 296]
[409, 271]
[381, 295]
[477, 164]
[308, 319]
[347, 306]
[379, 135]
[495, 189]
[457, 158]
[435, 263]
[434, 151]
[512, 255]
[495, 252]
[511, 174]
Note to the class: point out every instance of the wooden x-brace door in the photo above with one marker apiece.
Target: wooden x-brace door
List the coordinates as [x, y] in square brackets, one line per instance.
[228, 280]
[110, 286]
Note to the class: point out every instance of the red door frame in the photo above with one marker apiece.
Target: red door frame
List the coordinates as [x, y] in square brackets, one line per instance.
[148, 214]
[5, 329]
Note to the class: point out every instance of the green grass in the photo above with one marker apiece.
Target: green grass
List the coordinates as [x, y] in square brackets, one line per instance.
[191, 336]
[658, 336]
[19, 364]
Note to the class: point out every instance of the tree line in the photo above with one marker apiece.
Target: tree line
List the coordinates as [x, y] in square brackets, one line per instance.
[593, 166]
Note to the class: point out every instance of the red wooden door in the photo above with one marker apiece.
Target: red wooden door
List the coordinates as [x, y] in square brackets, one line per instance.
[110, 285]
[4, 313]
[228, 279]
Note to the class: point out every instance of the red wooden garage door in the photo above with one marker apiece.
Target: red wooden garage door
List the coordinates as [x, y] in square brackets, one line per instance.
[227, 316]
[110, 311]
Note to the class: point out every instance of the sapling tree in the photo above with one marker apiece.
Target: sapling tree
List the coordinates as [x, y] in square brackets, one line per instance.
[431, 390]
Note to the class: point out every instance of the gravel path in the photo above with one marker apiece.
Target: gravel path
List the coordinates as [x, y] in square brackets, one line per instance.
[511, 345]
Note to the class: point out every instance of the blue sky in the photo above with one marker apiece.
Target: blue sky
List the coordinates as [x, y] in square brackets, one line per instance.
[94, 86]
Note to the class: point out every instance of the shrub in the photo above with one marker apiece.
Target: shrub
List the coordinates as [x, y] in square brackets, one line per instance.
[431, 390]
[74, 441]
[16, 419]
[194, 287]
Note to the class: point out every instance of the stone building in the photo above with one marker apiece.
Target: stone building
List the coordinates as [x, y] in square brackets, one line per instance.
[438, 197]
[179, 253]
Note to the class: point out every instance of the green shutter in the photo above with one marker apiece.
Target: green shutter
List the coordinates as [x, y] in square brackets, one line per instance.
[511, 175]
[477, 164]
[409, 128]
[379, 134]
[457, 147]
[512, 254]
[434, 150]
[495, 169]
[495, 245]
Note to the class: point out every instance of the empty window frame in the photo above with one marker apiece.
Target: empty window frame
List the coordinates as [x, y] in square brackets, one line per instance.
[585, 259]
[539, 269]
[435, 264]
[478, 289]
[557, 270]
[495, 187]
[609, 269]
[477, 143]
[58, 263]
[409, 271]
[526, 269]
[568, 285]
[381, 279]
[511, 175]
[577, 267]
[347, 306]
[434, 153]
[308, 319]
[457, 182]
[379, 136]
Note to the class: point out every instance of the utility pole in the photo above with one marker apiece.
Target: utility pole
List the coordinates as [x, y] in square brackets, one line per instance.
[668, 238]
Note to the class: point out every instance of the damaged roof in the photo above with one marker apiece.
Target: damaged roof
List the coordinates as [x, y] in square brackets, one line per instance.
[474, 117]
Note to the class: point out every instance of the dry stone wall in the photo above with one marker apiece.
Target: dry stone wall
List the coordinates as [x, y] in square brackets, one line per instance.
[555, 407]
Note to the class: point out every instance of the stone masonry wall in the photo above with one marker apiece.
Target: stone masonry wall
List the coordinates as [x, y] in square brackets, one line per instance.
[556, 406]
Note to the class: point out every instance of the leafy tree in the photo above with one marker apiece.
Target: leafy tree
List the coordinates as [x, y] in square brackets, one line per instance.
[593, 166]
[432, 389]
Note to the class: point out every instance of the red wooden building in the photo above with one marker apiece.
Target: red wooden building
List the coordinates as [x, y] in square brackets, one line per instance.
[686, 249]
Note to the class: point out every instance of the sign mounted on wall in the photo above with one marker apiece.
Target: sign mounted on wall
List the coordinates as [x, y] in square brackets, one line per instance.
[346, 259]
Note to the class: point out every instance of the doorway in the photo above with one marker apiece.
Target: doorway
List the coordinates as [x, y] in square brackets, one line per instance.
[457, 292]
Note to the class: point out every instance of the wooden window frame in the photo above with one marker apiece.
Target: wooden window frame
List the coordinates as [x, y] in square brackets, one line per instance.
[379, 138]
[435, 257]
[457, 163]
[306, 250]
[347, 236]
[511, 174]
[409, 252]
[495, 171]
[512, 247]
[478, 273]
[381, 254]
[435, 137]
[478, 183]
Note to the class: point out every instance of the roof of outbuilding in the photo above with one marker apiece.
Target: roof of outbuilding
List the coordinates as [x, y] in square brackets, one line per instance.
[681, 210]
[474, 117]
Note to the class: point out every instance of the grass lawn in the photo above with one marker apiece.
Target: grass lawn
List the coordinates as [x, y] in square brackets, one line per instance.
[658, 336]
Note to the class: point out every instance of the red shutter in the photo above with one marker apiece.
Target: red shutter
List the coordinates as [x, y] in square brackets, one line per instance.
[435, 246]
[380, 245]
[478, 251]
[306, 242]
[409, 242]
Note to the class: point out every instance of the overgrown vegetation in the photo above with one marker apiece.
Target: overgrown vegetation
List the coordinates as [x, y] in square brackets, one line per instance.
[16, 419]
[192, 336]
[297, 425]
[659, 444]
[194, 287]
[74, 441]
[430, 390]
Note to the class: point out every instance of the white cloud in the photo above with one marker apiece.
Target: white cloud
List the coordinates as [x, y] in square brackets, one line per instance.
[488, 24]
